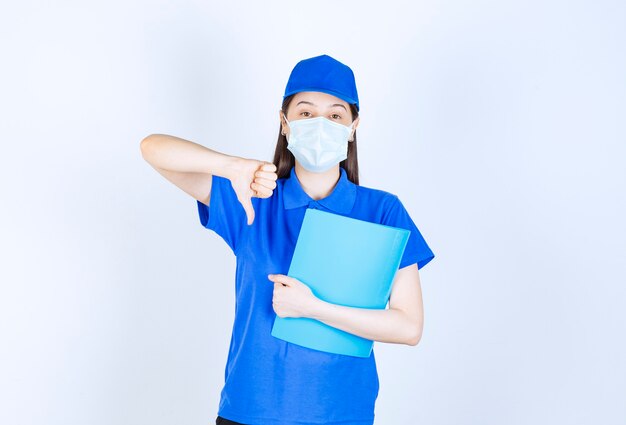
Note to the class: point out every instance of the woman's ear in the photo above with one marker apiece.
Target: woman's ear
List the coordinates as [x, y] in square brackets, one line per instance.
[283, 122]
[355, 123]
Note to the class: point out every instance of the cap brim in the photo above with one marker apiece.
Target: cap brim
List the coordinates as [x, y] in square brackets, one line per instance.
[332, 92]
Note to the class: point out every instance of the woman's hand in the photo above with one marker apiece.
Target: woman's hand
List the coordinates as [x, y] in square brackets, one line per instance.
[250, 178]
[292, 298]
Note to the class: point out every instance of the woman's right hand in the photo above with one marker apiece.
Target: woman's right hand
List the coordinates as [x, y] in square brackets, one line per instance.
[253, 178]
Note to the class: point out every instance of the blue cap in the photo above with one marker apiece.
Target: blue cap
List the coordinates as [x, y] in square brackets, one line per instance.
[324, 74]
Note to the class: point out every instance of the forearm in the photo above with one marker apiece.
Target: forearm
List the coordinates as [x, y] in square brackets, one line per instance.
[176, 154]
[384, 325]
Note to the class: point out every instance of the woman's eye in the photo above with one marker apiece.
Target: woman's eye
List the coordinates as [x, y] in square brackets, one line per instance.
[336, 115]
[305, 112]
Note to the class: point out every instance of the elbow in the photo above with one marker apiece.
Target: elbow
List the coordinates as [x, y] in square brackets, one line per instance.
[143, 145]
[414, 341]
[147, 146]
[415, 334]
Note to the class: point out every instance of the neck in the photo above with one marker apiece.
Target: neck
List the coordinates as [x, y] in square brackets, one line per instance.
[318, 185]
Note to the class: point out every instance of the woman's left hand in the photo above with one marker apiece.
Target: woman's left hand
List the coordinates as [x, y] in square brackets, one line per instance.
[292, 298]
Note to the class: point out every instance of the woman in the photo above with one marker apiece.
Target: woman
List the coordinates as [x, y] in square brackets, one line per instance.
[257, 207]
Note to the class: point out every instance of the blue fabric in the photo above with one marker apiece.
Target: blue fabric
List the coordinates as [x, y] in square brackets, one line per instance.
[324, 74]
[268, 381]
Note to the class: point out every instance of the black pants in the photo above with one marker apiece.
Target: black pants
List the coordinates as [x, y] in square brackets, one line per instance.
[222, 421]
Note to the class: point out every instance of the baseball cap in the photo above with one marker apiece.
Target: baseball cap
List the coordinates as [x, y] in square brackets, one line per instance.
[324, 74]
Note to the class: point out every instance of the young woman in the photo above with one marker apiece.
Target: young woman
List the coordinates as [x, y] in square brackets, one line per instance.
[257, 207]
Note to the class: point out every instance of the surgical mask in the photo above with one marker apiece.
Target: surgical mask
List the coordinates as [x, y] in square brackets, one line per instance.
[318, 143]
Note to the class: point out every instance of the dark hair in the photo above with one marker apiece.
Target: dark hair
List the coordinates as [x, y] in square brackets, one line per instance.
[284, 159]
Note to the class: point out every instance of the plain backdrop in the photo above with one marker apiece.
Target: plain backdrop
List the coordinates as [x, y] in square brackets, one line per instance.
[499, 124]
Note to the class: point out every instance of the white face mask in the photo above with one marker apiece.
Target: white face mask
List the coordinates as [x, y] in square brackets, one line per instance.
[318, 143]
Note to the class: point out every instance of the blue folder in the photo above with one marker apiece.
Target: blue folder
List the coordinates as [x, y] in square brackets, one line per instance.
[344, 261]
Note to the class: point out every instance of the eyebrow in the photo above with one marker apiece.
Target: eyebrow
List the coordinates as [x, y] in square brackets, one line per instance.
[310, 103]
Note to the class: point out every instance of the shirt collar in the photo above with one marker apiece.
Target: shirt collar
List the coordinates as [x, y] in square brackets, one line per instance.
[341, 199]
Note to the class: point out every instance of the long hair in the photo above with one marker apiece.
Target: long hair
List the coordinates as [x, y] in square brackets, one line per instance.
[284, 159]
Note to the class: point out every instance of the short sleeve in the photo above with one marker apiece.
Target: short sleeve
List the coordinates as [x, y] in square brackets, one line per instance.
[225, 214]
[417, 250]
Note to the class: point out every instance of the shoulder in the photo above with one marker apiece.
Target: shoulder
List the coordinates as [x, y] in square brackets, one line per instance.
[381, 205]
[383, 198]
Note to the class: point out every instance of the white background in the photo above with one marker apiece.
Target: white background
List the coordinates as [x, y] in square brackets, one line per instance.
[499, 124]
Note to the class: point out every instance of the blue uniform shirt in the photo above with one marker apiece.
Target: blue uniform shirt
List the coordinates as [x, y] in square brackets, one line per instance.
[269, 381]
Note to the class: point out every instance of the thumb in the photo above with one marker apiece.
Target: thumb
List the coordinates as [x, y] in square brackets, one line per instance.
[275, 278]
[281, 278]
[247, 206]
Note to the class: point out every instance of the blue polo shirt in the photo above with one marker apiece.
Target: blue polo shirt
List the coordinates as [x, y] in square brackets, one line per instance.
[269, 381]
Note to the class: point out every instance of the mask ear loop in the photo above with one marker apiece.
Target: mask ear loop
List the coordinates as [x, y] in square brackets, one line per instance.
[285, 118]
